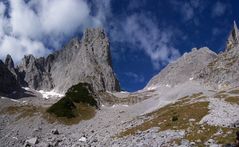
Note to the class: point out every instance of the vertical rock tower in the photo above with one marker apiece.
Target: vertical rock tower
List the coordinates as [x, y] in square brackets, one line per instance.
[87, 60]
[233, 39]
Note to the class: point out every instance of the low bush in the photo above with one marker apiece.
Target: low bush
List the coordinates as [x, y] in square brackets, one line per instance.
[67, 106]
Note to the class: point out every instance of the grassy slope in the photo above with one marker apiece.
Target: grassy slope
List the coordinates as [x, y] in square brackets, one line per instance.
[177, 116]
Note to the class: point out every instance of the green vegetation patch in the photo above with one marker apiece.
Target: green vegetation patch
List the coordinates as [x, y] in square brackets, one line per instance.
[228, 136]
[80, 112]
[23, 111]
[63, 108]
[235, 91]
[81, 93]
[233, 99]
[69, 107]
[221, 95]
[173, 116]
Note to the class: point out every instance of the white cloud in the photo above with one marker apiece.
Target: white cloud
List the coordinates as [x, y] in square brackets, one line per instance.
[33, 24]
[63, 16]
[219, 9]
[18, 47]
[24, 21]
[143, 33]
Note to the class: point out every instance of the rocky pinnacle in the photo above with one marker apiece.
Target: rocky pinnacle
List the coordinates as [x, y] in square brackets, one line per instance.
[233, 39]
[86, 60]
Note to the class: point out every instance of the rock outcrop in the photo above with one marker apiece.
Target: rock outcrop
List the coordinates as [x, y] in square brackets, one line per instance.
[86, 60]
[184, 68]
[32, 73]
[233, 39]
[222, 72]
[217, 71]
[8, 82]
[10, 64]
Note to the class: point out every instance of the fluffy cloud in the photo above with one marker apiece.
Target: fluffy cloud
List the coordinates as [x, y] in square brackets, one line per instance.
[18, 47]
[143, 33]
[35, 24]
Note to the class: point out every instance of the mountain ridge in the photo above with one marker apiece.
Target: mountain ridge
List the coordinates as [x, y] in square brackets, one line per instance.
[86, 60]
[214, 70]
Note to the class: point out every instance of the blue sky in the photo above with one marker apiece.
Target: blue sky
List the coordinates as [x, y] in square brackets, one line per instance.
[195, 23]
[145, 35]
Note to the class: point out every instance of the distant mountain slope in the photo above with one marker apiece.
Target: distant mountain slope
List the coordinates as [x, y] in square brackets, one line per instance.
[205, 66]
[222, 72]
[183, 69]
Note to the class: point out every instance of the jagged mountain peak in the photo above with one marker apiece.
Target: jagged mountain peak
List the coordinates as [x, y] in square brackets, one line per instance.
[9, 61]
[81, 60]
[233, 39]
[93, 33]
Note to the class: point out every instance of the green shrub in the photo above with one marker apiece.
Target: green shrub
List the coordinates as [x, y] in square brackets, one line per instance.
[174, 118]
[63, 108]
[80, 93]
[77, 94]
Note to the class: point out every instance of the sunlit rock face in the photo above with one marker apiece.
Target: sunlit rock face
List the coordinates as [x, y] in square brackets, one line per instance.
[233, 39]
[183, 69]
[222, 72]
[86, 60]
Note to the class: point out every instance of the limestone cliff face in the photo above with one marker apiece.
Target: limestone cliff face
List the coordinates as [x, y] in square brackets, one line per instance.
[184, 68]
[233, 39]
[86, 60]
[32, 73]
[222, 72]
[217, 71]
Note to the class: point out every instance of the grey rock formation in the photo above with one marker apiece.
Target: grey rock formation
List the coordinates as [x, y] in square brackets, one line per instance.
[184, 68]
[86, 60]
[32, 73]
[9, 63]
[8, 82]
[222, 72]
[233, 39]
[31, 142]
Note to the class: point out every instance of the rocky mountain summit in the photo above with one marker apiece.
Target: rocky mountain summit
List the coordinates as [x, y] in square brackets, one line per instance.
[222, 72]
[86, 60]
[183, 69]
[233, 39]
[219, 71]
